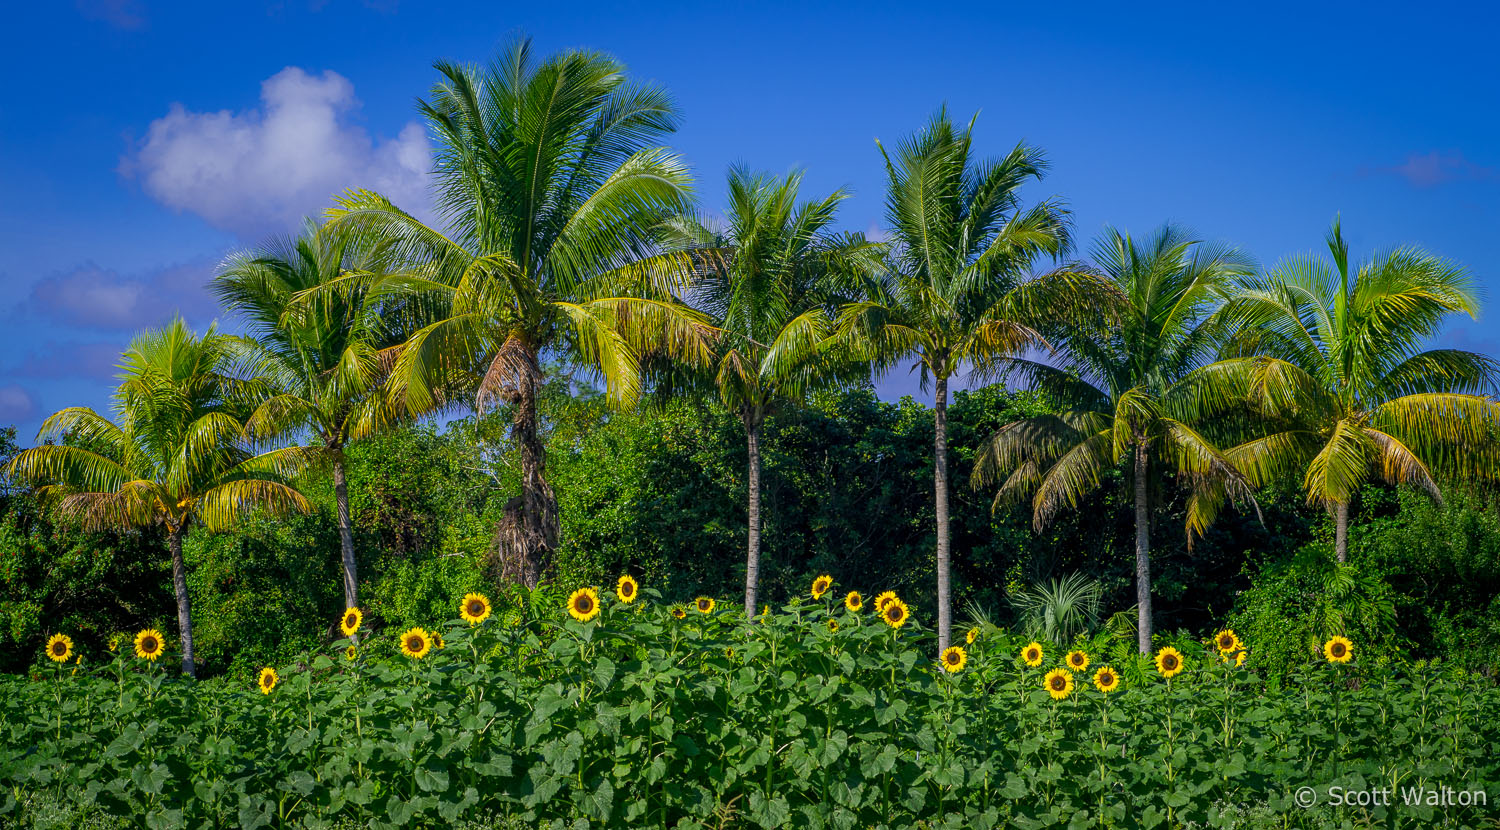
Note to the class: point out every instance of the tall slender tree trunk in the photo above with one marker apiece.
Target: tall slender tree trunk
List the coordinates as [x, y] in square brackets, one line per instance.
[752, 552]
[346, 529]
[527, 534]
[184, 607]
[1142, 551]
[1341, 531]
[940, 493]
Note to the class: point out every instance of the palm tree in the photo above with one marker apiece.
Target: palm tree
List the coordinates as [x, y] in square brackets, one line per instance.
[550, 198]
[957, 288]
[317, 355]
[772, 293]
[1123, 398]
[1334, 363]
[174, 457]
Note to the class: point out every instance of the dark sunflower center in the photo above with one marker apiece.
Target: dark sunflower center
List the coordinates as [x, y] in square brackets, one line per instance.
[1032, 655]
[1169, 662]
[1059, 684]
[59, 648]
[1226, 642]
[1077, 660]
[414, 644]
[349, 621]
[953, 659]
[584, 604]
[149, 644]
[627, 589]
[476, 608]
[1338, 649]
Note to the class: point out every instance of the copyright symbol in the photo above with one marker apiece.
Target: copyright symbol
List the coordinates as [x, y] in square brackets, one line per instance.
[1305, 797]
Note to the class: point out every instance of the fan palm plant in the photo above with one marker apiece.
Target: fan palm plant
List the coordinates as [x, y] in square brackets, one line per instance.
[958, 290]
[1060, 609]
[772, 293]
[1122, 396]
[1332, 360]
[549, 194]
[316, 354]
[175, 456]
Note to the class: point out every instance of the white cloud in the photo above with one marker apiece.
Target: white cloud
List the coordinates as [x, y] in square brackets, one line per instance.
[260, 171]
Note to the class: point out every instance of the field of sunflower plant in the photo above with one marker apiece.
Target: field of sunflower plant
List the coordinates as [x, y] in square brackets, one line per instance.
[614, 709]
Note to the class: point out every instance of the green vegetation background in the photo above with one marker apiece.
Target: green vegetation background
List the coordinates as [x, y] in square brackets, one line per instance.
[659, 492]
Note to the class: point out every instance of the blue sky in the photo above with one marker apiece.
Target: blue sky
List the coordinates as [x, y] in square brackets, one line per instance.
[140, 142]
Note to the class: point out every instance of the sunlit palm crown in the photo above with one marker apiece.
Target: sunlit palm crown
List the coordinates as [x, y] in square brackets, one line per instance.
[549, 197]
[1121, 382]
[959, 288]
[1333, 358]
[320, 347]
[773, 286]
[176, 451]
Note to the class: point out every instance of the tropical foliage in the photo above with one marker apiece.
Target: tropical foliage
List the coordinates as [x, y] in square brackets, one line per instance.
[319, 357]
[772, 291]
[174, 456]
[550, 194]
[1335, 364]
[958, 290]
[1123, 396]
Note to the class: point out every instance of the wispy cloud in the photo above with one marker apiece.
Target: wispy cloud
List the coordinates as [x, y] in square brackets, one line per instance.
[94, 361]
[15, 404]
[122, 14]
[262, 170]
[93, 297]
[1438, 167]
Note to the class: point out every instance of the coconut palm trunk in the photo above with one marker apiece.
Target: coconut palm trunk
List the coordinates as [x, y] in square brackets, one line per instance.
[940, 497]
[752, 552]
[346, 529]
[528, 530]
[1341, 531]
[1142, 550]
[184, 606]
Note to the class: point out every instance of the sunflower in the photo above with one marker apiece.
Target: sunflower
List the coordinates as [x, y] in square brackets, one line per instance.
[350, 653]
[954, 659]
[351, 622]
[881, 599]
[895, 613]
[729, 652]
[149, 644]
[821, 585]
[1338, 649]
[1227, 642]
[114, 642]
[626, 589]
[1078, 660]
[1239, 657]
[583, 605]
[416, 642]
[679, 612]
[1169, 662]
[971, 636]
[1032, 654]
[268, 680]
[853, 601]
[60, 648]
[1106, 680]
[438, 642]
[475, 608]
[1059, 683]
[833, 624]
[705, 605]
